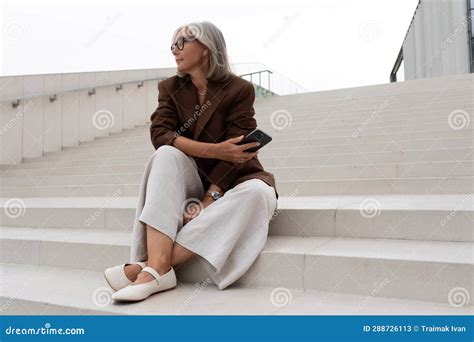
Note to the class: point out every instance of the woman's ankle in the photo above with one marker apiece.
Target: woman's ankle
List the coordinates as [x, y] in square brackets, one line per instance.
[161, 264]
[160, 268]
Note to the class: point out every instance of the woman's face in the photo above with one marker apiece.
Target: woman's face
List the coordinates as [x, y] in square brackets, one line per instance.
[191, 56]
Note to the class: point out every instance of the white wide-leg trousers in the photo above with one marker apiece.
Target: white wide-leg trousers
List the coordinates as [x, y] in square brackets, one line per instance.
[227, 236]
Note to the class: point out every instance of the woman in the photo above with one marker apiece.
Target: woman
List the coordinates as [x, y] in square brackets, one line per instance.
[201, 194]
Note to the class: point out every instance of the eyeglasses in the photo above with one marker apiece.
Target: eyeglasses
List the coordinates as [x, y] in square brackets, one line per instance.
[180, 42]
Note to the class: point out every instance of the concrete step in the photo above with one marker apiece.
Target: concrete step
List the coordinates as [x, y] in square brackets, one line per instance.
[364, 171]
[290, 134]
[137, 163]
[330, 119]
[314, 138]
[325, 125]
[344, 97]
[428, 89]
[426, 185]
[382, 107]
[334, 118]
[408, 217]
[376, 95]
[302, 187]
[406, 156]
[334, 115]
[322, 128]
[419, 270]
[276, 148]
[322, 172]
[370, 126]
[282, 148]
[39, 290]
[299, 168]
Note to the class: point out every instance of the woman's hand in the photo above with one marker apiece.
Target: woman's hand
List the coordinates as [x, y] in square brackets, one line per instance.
[194, 209]
[229, 150]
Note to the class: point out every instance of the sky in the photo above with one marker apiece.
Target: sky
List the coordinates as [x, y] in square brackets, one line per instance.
[314, 45]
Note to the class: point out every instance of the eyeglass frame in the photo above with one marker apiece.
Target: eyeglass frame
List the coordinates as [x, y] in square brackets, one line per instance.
[184, 39]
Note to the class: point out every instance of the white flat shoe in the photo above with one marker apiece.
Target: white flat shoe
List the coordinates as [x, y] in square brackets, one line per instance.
[116, 278]
[142, 291]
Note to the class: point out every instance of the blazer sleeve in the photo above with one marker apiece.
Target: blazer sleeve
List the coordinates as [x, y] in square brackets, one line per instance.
[239, 121]
[164, 120]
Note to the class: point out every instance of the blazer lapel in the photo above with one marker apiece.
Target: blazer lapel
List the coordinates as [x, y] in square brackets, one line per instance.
[215, 93]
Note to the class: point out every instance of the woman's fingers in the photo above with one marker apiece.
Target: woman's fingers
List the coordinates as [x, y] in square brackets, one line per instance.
[249, 145]
[232, 152]
[246, 156]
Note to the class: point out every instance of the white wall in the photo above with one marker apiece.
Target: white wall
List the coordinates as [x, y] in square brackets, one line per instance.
[38, 125]
[436, 43]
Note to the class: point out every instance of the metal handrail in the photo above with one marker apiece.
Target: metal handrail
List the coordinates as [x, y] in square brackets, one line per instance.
[259, 77]
[396, 66]
[398, 61]
[119, 86]
[470, 8]
[91, 91]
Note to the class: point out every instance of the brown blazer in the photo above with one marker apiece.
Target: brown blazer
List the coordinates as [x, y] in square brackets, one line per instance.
[227, 112]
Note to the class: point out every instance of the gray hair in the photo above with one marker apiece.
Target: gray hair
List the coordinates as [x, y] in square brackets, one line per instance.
[211, 37]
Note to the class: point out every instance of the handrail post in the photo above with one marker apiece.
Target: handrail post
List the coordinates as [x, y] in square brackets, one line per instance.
[269, 74]
[396, 66]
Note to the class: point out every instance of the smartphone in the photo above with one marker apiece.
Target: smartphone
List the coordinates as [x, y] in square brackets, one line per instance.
[256, 135]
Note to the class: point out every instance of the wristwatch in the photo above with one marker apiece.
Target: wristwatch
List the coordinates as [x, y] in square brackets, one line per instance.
[214, 194]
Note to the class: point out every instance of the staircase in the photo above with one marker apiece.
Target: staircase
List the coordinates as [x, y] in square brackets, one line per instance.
[375, 214]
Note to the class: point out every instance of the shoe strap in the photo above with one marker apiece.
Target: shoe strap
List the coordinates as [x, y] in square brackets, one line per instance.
[152, 271]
